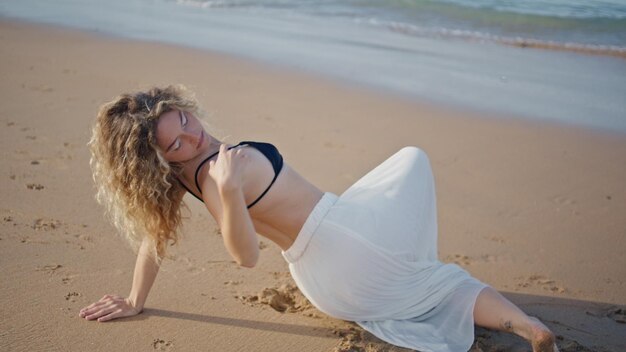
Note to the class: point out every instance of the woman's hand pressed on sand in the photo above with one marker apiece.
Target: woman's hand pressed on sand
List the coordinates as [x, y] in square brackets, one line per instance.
[227, 169]
[109, 307]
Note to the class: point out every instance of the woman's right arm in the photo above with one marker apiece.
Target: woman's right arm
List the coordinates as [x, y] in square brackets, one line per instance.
[112, 306]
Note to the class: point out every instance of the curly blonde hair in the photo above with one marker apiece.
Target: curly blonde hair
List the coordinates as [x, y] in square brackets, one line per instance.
[138, 187]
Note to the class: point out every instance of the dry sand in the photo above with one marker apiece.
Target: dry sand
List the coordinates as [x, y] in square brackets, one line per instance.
[535, 210]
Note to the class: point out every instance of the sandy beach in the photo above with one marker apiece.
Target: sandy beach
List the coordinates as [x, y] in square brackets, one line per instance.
[535, 210]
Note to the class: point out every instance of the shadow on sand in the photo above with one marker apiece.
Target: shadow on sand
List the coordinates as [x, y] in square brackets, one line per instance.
[242, 323]
[580, 326]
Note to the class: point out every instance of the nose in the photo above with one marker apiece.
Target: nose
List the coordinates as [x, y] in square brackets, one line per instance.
[193, 137]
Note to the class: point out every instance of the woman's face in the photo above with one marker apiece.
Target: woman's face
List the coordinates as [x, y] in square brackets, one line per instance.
[180, 136]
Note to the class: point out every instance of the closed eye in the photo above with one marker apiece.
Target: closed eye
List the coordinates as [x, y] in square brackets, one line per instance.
[183, 123]
[183, 119]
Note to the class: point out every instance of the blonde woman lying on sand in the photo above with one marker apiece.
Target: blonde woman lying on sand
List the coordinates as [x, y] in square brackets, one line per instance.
[368, 255]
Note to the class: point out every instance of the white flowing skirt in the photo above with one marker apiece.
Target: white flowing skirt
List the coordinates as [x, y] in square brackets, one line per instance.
[370, 256]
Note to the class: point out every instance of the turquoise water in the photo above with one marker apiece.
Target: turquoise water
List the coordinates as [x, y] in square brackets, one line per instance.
[575, 22]
[447, 51]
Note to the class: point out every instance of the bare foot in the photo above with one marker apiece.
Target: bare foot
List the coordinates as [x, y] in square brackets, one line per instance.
[540, 337]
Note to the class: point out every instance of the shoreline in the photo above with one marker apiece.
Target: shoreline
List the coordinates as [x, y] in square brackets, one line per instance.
[533, 209]
[469, 35]
[450, 109]
[599, 50]
[520, 42]
[483, 76]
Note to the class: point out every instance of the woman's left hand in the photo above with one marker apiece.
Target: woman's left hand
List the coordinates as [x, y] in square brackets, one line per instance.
[227, 169]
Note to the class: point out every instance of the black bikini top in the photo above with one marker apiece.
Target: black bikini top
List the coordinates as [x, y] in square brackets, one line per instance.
[270, 152]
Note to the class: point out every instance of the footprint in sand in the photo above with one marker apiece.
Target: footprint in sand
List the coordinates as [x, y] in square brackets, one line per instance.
[619, 315]
[490, 258]
[71, 296]
[458, 259]
[46, 224]
[539, 281]
[232, 283]
[50, 269]
[53, 231]
[162, 345]
[84, 238]
[464, 260]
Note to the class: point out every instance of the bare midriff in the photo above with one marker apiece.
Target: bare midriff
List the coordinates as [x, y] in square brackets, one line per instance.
[280, 215]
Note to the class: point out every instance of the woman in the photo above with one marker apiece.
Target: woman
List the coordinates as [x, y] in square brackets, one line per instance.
[369, 255]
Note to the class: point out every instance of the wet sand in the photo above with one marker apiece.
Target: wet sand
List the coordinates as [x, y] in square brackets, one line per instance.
[536, 210]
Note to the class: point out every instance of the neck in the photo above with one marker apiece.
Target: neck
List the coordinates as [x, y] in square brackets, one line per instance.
[190, 166]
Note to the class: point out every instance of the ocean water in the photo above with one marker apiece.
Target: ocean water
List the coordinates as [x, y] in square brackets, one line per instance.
[590, 24]
[472, 54]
